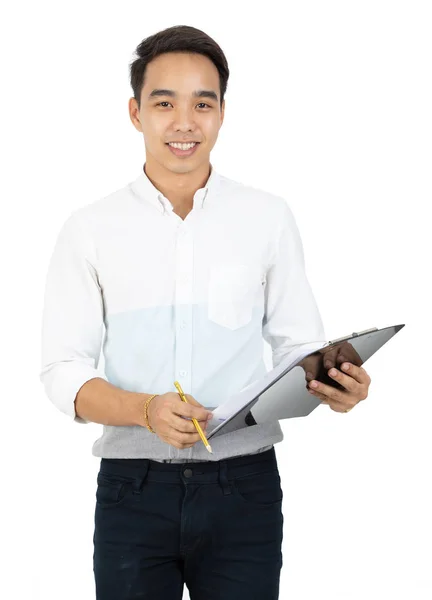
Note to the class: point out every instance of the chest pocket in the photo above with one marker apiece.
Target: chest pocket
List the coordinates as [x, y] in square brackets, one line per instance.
[231, 295]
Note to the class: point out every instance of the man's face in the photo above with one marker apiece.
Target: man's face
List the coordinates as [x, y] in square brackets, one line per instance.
[165, 118]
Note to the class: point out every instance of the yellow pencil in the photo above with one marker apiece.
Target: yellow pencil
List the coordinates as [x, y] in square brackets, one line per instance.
[195, 422]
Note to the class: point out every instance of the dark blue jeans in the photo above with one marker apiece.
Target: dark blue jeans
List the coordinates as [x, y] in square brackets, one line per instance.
[216, 526]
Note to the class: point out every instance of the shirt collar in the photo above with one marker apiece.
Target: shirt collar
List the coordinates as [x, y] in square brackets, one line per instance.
[145, 190]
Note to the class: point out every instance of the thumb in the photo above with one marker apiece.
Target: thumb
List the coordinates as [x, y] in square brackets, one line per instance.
[191, 400]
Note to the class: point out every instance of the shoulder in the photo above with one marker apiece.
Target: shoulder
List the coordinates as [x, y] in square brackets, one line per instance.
[104, 205]
[105, 212]
[258, 199]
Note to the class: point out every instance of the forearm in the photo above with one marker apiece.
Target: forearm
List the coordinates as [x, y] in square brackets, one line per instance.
[101, 402]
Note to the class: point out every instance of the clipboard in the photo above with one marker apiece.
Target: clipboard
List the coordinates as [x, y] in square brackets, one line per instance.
[282, 392]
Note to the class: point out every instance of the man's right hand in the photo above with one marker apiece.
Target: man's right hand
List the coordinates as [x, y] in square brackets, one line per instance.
[165, 414]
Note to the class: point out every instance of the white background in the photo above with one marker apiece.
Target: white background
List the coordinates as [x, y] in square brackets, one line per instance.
[328, 104]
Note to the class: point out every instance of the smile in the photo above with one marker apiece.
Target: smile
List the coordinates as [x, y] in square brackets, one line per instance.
[188, 151]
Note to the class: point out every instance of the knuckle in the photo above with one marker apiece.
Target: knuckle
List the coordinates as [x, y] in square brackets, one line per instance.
[365, 374]
[177, 437]
[189, 427]
[186, 437]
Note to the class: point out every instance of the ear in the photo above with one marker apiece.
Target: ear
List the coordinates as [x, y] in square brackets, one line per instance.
[134, 113]
[222, 111]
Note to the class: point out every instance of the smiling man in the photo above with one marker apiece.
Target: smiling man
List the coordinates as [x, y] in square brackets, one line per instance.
[186, 271]
[180, 115]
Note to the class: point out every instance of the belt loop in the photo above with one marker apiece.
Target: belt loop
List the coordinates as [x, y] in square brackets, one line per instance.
[138, 481]
[223, 477]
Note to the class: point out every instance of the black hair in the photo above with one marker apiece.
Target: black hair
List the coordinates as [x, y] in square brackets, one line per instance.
[179, 38]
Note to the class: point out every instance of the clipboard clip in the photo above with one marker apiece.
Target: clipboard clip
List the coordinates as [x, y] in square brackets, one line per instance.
[354, 334]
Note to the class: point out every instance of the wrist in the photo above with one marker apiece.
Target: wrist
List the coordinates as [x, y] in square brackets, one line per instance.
[139, 408]
[146, 413]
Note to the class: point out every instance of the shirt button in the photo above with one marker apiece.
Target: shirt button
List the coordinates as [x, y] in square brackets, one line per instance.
[183, 373]
[182, 325]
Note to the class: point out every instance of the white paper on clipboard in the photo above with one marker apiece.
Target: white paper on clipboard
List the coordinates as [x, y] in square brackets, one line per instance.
[283, 393]
[244, 396]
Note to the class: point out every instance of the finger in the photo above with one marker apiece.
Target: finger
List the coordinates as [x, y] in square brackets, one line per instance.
[333, 404]
[329, 358]
[351, 355]
[183, 437]
[338, 407]
[346, 381]
[357, 373]
[321, 397]
[311, 365]
[185, 425]
[204, 424]
[179, 445]
[194, 402]
[184, 409]
[328, 390]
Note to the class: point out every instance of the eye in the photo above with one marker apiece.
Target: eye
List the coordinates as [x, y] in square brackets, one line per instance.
[165, 102]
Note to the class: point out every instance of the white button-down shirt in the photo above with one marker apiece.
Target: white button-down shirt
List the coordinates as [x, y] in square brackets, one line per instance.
[169, 299]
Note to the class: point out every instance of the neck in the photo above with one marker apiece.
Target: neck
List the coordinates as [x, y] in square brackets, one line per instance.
[178, 188]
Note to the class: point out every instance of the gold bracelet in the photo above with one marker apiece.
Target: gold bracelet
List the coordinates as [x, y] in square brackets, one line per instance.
[146, 412]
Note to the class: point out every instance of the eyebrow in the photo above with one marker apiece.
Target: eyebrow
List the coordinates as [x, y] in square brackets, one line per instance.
[171, 93]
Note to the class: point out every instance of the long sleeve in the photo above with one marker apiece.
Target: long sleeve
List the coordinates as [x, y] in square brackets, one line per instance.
[291, 313]
[72, 321]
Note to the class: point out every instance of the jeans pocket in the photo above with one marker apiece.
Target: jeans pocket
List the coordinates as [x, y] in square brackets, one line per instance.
[112, 490]
[260, 489]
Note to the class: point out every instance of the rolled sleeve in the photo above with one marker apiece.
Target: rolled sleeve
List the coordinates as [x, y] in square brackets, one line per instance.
[291, 314]
[72, 319]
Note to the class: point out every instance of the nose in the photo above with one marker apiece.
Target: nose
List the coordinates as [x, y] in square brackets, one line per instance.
[183, 119]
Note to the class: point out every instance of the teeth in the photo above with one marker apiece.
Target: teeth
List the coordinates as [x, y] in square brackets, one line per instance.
[183, 146]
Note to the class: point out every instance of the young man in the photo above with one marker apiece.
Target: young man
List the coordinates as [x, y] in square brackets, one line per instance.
[188, 271]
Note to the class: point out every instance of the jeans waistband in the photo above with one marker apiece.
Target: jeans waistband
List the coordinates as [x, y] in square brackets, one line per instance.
[203, 472]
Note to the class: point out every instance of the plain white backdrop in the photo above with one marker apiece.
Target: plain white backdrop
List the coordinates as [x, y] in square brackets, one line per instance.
[328, 104]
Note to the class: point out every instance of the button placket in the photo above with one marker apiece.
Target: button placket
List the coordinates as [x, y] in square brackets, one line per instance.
[183, 305]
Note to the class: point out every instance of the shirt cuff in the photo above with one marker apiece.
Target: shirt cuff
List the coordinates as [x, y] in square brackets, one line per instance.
[62, 383]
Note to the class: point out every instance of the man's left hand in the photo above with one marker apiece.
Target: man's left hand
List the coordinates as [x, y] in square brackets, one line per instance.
[354, 379]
